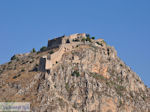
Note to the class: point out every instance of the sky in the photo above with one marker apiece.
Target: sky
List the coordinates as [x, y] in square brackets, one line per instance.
[124, 24]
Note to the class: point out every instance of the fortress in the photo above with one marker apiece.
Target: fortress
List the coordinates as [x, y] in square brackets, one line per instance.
[65, 44]
[56, 42]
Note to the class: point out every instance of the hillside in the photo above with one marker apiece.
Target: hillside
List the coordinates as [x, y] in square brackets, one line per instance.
[73, 74]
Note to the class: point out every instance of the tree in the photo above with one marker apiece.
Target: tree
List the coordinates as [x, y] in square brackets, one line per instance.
[44, 48]
[33, 50]
[88, 39]
[13, 57]
[93, 38]
[83, 39]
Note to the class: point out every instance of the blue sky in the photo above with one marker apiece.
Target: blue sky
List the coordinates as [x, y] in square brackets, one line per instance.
[124, 24]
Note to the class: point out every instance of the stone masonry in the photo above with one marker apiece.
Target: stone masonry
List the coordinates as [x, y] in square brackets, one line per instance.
[65, 44]
[56, 42]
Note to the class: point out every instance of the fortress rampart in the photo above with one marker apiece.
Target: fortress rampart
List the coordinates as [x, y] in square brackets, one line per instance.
[65, 44]
[56, 42]
[48, 61]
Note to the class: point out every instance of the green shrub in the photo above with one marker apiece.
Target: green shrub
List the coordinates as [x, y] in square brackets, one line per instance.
[33, 50]
[93, 38]
[120, 88]
[14, 57]
[23, 70]
[88, 39]
[104, 42]
[51, 52]
[44, 48]
[75, 73]
[120, 103]
[61, 102]
[9, 62]
[88, 35]
[83, 39]
[1, 71]
[16, 76]
[67, 87]
[98, 76]
[77, 46]
[144, 97]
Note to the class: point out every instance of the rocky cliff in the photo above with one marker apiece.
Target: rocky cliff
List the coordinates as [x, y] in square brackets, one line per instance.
[84, 75]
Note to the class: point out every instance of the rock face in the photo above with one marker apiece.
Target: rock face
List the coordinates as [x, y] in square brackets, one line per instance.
[80, 75]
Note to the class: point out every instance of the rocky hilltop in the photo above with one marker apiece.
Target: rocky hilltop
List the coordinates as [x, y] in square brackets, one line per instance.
[73, 73]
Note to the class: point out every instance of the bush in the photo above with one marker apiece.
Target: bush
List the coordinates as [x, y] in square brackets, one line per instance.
[33, 50]
[16, 76]
[44, 48]
[14, 57]
[104, 42]
[83, 39]
[88, 35]
[93, 38]
[88, 39]
[51, 52]
[67, 87]
[75, 73]
[120, 88]
[23, 70]
[98, 76]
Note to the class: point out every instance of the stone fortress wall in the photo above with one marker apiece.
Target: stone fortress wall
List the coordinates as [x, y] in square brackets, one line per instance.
[56, 42]
[65, 44]
[56, 57]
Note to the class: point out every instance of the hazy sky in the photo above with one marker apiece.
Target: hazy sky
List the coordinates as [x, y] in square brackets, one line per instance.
[124, 24]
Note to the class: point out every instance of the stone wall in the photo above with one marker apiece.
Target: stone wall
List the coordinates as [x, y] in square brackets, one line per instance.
[55, 42]
[45, 63]
[81, 35]
[65, 39]
[42, 64]
[48, 61]
[65, 44]
[56, 57]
